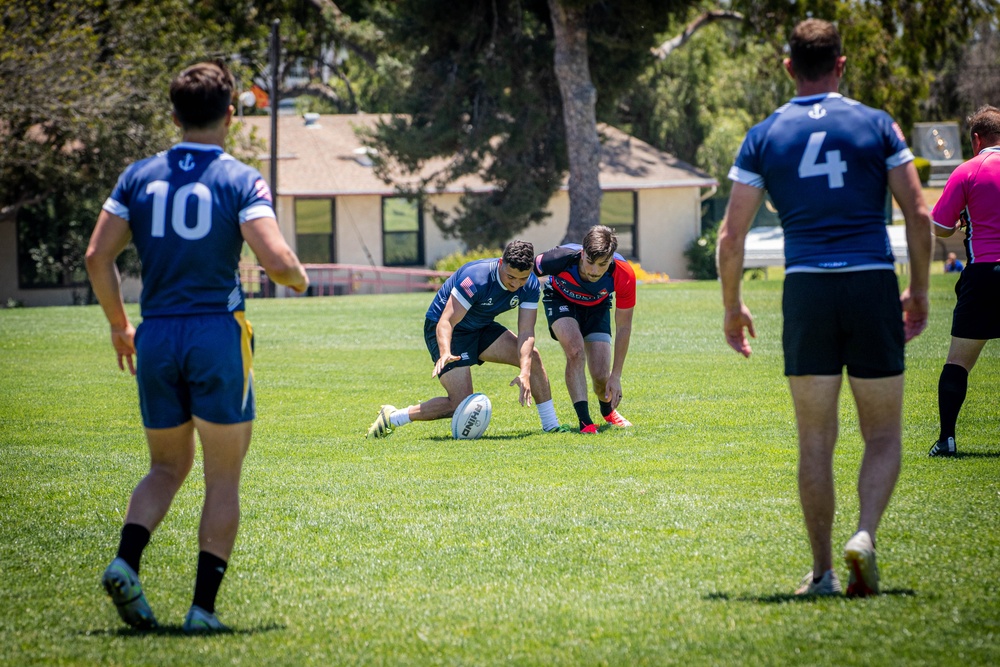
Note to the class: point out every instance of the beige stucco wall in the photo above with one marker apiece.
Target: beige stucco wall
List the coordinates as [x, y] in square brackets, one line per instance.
[436, 245]
[669, 219]
[549, 233]
[359, 226]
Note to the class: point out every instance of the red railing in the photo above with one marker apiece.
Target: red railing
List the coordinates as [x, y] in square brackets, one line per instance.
[338, 279]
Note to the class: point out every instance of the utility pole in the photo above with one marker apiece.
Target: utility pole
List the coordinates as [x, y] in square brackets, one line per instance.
[275, 96]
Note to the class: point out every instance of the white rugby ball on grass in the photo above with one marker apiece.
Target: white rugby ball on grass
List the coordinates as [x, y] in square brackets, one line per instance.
[471, 417]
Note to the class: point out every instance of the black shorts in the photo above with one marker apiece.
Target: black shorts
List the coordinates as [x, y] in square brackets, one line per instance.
[852, 319]
[594, 321]
[977, 314]
[466, 344]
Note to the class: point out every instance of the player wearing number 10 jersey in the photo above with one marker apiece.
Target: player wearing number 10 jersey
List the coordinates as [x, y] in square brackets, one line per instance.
[826, 161]
[188, 210]
[185, 206]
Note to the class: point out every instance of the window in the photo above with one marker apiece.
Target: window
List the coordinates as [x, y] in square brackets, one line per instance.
[402, 232]
[618, 212]
[314, 225]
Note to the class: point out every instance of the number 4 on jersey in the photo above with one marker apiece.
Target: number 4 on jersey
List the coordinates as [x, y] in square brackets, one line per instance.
[834, 168]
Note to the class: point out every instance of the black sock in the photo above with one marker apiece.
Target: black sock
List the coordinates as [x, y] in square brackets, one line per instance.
[606, 408]
[952, 386]
[211, 569]
[134, 540]
[582, 412]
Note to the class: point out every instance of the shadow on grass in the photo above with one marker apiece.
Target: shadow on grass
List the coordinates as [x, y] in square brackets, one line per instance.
[178, 631]
[489, 438]
[977, 455]
[782, 598]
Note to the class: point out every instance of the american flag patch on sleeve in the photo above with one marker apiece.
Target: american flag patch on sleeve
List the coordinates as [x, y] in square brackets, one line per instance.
[468, 287]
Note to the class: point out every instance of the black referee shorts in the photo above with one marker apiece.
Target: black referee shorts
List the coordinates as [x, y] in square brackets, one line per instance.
[852, 319]
[977, 312]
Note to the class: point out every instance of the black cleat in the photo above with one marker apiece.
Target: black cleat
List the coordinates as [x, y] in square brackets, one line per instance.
[944, 447]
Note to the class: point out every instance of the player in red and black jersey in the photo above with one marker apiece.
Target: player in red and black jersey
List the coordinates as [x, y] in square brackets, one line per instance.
[577, 300]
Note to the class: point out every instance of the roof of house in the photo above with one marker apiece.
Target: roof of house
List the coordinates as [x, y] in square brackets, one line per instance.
[327, 158]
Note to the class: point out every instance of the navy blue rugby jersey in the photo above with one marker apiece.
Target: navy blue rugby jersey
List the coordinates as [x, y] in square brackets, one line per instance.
[824, 159]
[185, 206]
[478, 288]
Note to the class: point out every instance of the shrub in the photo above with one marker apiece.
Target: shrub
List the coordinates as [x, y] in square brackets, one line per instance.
[923, 166]
[456, 260]
[701, 256]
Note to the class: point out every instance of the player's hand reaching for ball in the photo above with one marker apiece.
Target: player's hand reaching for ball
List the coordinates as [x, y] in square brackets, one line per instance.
[523, 384]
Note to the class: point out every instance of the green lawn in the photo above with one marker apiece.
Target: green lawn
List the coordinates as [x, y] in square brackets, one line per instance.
[678, 541]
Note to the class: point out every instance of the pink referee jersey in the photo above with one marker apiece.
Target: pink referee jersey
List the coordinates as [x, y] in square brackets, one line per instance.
[975, 185]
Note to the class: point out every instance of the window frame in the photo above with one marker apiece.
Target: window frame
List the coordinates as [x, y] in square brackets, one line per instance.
[419, 231]
[635, 222]
[332, 249]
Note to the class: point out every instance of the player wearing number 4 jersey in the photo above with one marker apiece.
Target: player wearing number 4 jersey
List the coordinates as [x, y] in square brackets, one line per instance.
[188, 210]
[826, 161]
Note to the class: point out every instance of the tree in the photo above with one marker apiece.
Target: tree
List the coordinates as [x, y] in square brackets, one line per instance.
[509, 90]
[85, 91]
[579, 112]
[894, 47]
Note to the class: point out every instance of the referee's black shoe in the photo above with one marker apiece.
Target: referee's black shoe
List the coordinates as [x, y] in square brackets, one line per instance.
[944, 447]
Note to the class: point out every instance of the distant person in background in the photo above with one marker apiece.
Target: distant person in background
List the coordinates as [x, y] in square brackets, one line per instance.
[188, 210]
[953, 264]
[971, 199]
[578, 299]
[460, 332]
[826, 162]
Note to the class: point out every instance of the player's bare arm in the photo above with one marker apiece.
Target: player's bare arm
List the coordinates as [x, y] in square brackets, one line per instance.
[905, 186]
[526, 318]
[110, 237]
[452, 314]
[743, 204]
[274, 254]
[623, 335]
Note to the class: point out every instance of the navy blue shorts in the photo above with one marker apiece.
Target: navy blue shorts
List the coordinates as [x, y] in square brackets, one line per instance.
[466, 344]
[195, 365]
[852, 319]
[594, 321]
[977, 315]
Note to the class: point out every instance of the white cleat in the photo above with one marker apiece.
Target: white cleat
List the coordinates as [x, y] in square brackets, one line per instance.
[381, 427]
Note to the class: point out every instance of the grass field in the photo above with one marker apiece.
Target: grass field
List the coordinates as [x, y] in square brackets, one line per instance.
[678, 541]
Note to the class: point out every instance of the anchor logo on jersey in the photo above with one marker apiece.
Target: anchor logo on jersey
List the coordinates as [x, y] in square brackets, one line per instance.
[817, 111]
[187, 164]
[514, 301]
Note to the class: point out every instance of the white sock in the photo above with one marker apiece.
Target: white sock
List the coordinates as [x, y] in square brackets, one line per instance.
[547, 412]
[400, 417]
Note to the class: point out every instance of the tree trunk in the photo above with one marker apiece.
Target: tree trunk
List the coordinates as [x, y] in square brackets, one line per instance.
[579, 99]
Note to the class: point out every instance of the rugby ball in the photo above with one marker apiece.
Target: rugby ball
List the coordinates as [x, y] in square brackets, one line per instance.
[471, 417]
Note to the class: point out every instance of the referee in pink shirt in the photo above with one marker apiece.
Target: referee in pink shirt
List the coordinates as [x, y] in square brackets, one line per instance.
[970, 200]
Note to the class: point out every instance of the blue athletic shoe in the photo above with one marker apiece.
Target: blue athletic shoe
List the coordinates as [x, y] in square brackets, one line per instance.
[122, 584]
[199, 621]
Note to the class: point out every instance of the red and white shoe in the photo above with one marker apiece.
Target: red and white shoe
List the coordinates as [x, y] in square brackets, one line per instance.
[616, 419]
[589, 428]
